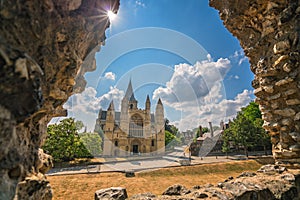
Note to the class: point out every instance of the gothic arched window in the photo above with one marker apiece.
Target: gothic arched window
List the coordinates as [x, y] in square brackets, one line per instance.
[136, 126]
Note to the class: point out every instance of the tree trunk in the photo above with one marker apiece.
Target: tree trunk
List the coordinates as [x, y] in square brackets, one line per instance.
[246, 151]
[265, 150]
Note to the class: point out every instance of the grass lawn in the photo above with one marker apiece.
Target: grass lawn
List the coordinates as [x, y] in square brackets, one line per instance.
[81, 187]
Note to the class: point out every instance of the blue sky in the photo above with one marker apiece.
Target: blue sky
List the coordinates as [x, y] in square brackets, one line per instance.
[175, 50]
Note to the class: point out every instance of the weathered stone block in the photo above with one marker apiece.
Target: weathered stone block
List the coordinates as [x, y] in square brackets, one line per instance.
[269, 89]
[292, 102]
[297, 116]
[273, 97]
[288, 112]
[289, 92]
[287, 67]
[283, 82]
[281, 47]
[176, 189]
[287, 121]
[280, 60]
[295, 148]
[113, 193]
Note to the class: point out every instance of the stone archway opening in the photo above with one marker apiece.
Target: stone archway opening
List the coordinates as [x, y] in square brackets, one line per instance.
[38, 70]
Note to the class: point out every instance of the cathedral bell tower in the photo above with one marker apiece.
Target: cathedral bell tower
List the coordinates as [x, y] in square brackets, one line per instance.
[110, 118]
[128, 103]
[109, 129]
[147, 121]
[160, 126]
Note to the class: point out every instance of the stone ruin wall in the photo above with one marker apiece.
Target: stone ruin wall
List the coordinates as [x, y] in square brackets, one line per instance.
[269, 33]
[45, 48]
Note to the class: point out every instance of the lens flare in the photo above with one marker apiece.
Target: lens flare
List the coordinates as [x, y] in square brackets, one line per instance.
[111, 15]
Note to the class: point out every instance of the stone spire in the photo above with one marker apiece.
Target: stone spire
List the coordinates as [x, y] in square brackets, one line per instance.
[159, 102]
[111, 105]
[148, 104]
[159, 114]
[129, 95]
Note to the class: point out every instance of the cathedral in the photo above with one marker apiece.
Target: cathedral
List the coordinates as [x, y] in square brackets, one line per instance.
[132, 131]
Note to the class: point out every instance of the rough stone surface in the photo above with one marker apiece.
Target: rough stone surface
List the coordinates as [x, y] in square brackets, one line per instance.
[270, 182]
[144, 196]
[45, 48]
[268, 32]
[117, 193]
[176, 190]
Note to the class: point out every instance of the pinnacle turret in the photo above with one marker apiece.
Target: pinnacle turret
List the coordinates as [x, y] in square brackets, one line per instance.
[111, 106]
[159, 101]
[129, 95]
[148, 104]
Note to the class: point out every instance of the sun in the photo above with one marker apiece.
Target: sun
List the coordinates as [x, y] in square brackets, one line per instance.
[111, 15]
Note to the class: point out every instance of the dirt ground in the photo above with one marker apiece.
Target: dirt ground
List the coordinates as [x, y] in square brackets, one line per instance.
[83, 187]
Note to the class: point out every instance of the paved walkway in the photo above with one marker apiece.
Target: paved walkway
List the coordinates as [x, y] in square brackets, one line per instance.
[136, 164]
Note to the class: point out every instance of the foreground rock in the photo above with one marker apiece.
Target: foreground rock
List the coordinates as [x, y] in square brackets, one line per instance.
[176, 190]
[268, 32]
[45, 48]
[271, 182]
[117, 193]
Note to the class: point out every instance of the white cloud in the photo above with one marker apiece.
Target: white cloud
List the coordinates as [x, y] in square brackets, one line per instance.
[110, 76]
[140, 4]
[200, 82]
[85, 106]
[198, 92]
[233, 77]
[214, 112]
[239, 57]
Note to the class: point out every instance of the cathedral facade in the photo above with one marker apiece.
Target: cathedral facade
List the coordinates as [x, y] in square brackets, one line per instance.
[132, 131]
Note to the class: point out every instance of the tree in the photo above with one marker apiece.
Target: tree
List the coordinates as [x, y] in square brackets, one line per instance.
[204, 130]
[79, 125]
[63, 142]
[252, 111]
[92, 141]
[246, 130]
[171, 128]
[172, 136]
[171, 140]
[242, 132]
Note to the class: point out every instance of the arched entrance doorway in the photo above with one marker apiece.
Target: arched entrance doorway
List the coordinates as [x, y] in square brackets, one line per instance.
[136, 146]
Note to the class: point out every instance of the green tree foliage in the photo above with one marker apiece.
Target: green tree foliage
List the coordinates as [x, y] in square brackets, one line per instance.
[252, 111]
[171, 140]
[63, 142]
[204, 130]
[246, 130]
[172, 136]
[79, 125]
[92, 141]
[171, 128]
